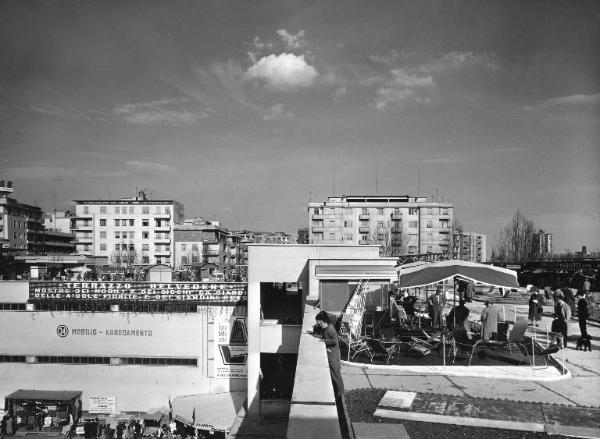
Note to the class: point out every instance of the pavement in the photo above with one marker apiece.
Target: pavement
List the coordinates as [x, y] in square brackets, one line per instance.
[539, 395]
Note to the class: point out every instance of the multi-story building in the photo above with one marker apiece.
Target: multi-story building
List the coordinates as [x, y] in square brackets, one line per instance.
[400, 224]
[21, 228]
[542, 243]
[208, 246]
[129, 231]
[469, 246]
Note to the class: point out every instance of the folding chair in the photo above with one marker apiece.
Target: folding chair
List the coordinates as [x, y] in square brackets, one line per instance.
[514, 343]
[354, 346]
[378, 349]
[462, 346]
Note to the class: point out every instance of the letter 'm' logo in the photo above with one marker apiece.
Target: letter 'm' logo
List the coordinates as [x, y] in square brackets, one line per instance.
[62, 331]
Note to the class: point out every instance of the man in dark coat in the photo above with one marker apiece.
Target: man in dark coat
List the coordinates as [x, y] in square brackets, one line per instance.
[583, 313]
[436, 304]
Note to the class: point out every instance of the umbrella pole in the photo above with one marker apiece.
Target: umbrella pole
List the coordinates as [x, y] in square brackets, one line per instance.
[454, 300]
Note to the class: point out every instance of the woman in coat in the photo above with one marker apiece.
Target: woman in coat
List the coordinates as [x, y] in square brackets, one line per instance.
[331, 340]
[536, 302]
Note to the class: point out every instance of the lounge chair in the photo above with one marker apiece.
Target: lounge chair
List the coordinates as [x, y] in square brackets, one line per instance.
[376, 349]
[462, 346]
[514, 343]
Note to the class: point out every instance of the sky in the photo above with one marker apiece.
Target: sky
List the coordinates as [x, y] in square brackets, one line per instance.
[245, 111]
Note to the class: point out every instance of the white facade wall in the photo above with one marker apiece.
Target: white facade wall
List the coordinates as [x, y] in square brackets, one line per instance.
[98, 228]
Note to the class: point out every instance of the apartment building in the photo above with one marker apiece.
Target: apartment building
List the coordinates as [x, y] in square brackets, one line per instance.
[208, 246]
[542, 243]
[303, 235]
[400, 224]
[469, 246]
[129, 231]
[21, 228]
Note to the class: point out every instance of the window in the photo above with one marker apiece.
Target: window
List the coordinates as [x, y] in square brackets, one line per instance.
[183, 247]
[195, 258]
[131, 222]
[145, 222]
[413, 210]
[132, 235]
[117, 247]
[364, 237]
[380, 237]
[145, 247]
[348, 223]
[184, 260]
[117, 235]
[331, 223]
[364, 223]
[117, 209]
[102, 209]
[145, 259]
[397, 211]
[86, 210]
[332, 236]
[103, 222]
[429, 249]
[103, 247]
[318, 237]
[412, 249]
[316, 211]
[364, 211]
[444, 211]
[317, 223]
[145, 210]
[379, 211]
[444, 224]
[348, 237]
[429, 224]
[123, 246]
[131, 210]
[145, 235]
[195, 247]
[117, 223]
[413, 224]
[167, 211]
[86, 247]
[103, 235]
[380, 224]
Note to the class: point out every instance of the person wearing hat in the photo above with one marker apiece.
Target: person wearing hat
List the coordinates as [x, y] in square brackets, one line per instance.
[562, 313]
[489, 321]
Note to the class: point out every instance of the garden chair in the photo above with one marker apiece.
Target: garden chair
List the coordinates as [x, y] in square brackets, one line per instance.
[514, 343]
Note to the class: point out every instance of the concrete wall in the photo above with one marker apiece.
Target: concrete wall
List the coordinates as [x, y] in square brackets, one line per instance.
[14, 291]
[283, 263]
[281, 339]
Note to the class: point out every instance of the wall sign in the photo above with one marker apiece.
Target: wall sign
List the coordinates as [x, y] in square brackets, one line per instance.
[103, 404]
[196, 292]
[231, 347]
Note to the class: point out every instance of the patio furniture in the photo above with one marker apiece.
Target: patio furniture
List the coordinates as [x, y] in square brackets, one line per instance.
[514, 343]
[462, 346]
[378, 349]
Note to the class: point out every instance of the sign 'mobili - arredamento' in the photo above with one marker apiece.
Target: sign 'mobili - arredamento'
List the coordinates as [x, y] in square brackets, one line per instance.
[196, 292]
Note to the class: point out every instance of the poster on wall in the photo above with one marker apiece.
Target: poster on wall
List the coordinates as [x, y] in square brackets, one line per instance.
[103, 404]
[231, 346]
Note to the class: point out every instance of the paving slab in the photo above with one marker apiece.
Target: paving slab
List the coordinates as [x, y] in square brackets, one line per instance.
[427, 384]
[576, 416]
[515, 390]
[583, 391]
[352, 381]
[364, 430]
[397, 399]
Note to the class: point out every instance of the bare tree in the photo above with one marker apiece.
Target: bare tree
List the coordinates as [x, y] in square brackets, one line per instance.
[515, 240]
[392, 241]
[124, 255]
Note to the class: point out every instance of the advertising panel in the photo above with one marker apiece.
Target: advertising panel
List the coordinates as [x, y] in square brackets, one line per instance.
[231, 346]
[195, 292]
[103, 404]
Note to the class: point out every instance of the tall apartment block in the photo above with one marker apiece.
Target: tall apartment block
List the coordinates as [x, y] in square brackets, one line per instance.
[21, 227]
[129, 231]
[469, 246]
[542, 243]
[401, 224]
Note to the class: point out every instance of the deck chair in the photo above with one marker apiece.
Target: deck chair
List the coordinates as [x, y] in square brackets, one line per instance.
[514, 343]
[354, 346]
[462, 346]
[378, 350]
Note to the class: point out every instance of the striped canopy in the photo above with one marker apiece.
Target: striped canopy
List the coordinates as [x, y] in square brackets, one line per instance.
[419, 275]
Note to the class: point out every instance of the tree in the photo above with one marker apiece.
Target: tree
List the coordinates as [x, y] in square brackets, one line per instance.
[391, 239]
[515, 240]
[125, 255]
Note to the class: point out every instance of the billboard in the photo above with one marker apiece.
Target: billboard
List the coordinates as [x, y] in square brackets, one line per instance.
[231, 346]
[201, 293]
[102, 404]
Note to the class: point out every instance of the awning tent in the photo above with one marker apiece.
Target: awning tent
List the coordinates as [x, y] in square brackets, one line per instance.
[426, 274]
[209, 411]
[44, 395]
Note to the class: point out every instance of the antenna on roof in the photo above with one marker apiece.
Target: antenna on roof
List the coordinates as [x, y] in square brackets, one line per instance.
[419, 179]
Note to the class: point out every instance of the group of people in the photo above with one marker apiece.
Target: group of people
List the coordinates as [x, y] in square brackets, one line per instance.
[8, 425]
[97, 429]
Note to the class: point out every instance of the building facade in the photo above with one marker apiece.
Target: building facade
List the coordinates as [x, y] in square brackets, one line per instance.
[469, 246]
[542, 243]
[400, 224]
[21, 227]
[303, 235]
[129, 231]
[208, 246]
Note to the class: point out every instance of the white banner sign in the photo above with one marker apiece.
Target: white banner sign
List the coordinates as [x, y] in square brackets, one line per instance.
[103, 404]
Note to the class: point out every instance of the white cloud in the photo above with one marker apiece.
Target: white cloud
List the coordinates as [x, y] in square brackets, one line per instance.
[149, 166]
[404, 79]
[159, 112]
[403, 87]
[567, 102]
[37, 172]
[456, 60]
[284, 72]
[292, 41]
[277, 112]
[340, 92]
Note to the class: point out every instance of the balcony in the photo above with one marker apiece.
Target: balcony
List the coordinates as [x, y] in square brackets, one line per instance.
[162, 227]
[162, 239]
[363, 216]
[396, 216]
[78, 226]
[364, 229]
[211, 253]
[317, 229]
[361, 242]
[163, 252]
[317, 216]
[396, 229]
[83, 239]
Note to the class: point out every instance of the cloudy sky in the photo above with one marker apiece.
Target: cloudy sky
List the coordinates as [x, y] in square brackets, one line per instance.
[246, 110]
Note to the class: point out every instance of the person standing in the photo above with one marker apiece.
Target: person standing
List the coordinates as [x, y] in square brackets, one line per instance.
[583, 313]
[436, 303]
[536, 307]
[489, 321]
[562, 312]
[331, 339]
[408, 303]
[586, 286]
[461, 314]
